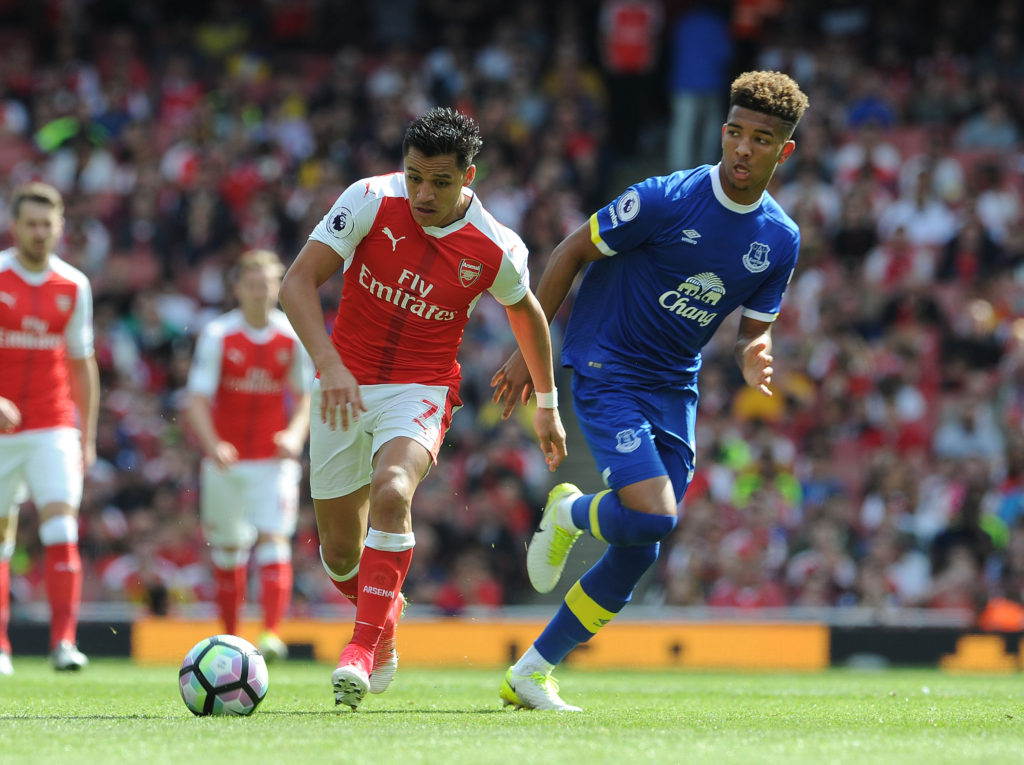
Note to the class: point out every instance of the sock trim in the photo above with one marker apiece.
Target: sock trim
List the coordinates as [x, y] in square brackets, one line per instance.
[272, 552]
[387, 541]
[337, 577]
[595, 525]
[591, 615]
[228, 559]
[59, 530]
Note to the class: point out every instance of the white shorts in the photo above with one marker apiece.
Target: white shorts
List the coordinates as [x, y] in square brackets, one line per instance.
[250, 496]
[42, 465]
[341, 461]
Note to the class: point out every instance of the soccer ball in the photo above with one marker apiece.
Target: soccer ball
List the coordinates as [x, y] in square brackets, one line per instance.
[223, 675]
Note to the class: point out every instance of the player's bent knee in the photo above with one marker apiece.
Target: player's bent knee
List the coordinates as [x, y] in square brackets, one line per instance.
[647, 528]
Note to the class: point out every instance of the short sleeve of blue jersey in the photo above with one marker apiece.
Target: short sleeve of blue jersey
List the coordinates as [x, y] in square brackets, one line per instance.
[628, 221]
[766, 302]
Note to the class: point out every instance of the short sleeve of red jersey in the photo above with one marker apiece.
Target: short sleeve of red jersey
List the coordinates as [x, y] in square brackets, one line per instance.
[350, 217]
[204, 374]
[78, 333]
[513, 279]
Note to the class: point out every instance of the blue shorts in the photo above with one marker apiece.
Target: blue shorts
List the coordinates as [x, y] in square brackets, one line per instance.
[635, 434]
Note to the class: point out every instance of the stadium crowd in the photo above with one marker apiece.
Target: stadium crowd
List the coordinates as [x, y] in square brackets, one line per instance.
[888, 469]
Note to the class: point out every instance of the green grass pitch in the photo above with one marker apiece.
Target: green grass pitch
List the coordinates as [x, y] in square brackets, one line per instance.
[117, 712]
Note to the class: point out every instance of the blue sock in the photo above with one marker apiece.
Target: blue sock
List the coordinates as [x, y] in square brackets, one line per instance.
[607, 519]
[595, 599]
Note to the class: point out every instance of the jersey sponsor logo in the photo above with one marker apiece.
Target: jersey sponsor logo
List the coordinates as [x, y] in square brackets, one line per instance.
[8, 299]
[627, 441]
[704, 288]
[255, 380]
[628, 205]
[756, 259]
[690, 236]
[400, 298]
[339, 223]
[469, 271]
[30, 341]
[427, 413]
[394, 241]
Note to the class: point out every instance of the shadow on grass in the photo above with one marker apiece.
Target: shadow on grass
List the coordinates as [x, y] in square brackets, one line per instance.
[270, 713]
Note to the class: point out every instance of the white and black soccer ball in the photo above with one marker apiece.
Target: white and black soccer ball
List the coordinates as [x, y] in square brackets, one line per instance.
[223, 675]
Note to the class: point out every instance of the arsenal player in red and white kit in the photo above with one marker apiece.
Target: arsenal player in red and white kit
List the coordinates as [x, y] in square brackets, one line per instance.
[249, 405]
[49, 399]
[418, 249]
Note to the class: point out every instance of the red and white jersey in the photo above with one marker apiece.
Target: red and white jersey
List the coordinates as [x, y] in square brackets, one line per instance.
[248, 375]
[45, 319]
[409, 289]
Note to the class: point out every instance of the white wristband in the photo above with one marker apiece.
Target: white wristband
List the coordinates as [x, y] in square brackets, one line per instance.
[548, 400]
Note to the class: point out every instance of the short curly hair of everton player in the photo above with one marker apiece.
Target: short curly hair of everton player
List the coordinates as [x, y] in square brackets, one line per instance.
[772, 93]
[444, 131]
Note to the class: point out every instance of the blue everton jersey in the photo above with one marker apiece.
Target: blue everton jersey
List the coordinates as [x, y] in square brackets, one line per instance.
[680, 257]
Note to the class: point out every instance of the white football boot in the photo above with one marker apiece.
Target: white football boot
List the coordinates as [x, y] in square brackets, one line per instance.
[272, 647]
[549, 548]
[67, 658]
[6, 668]
[350, 683]
[385, 658]
[536, 691]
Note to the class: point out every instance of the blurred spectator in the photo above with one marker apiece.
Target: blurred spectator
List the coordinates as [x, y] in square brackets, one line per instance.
[630, 46]
[699, 62]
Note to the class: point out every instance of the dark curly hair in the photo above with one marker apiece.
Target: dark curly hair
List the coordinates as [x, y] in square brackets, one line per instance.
[772, 93]
[444, 131]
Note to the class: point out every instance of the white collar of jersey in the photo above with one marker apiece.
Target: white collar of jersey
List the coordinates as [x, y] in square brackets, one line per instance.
[716, 185]
[455, 225]
[256, 334]
[35, 278]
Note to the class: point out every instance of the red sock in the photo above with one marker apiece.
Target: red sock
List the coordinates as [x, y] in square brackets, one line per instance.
[381, 575]
[275, 592]
[349, 588]
[230, 594]
[5, 605]
[63, 589]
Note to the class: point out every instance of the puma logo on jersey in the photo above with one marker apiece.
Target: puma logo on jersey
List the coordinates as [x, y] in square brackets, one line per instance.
[7, 299]
[394, 242]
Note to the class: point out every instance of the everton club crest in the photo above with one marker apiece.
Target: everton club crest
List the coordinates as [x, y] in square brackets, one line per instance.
[756, 259]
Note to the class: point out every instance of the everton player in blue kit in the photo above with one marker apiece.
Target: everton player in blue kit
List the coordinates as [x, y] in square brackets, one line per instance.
[666, 263]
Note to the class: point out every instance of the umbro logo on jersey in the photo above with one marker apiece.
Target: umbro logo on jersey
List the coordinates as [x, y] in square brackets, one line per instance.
[394, 242]
[690, 236]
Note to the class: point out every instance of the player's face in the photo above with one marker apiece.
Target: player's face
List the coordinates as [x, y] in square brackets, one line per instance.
[435, 187]
[753, 145]
[256, 291]
[37, 229]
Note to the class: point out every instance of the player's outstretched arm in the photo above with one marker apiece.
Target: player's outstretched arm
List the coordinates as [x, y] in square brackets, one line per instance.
[300, 300]
[754, 353]
[512, 382]
[531, 330]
